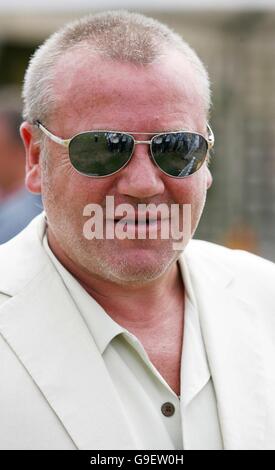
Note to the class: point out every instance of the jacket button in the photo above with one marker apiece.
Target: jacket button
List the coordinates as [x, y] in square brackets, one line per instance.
[168, 409]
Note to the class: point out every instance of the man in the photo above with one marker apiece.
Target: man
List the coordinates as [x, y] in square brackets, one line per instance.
[17, 205]
[127, 343]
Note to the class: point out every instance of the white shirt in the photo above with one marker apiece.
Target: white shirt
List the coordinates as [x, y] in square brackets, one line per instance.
[141, 388]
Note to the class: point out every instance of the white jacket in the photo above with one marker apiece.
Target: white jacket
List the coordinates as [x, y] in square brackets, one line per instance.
[55, 392]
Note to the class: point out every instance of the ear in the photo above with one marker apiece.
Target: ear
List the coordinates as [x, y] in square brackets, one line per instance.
[209, 178]
[33, 157]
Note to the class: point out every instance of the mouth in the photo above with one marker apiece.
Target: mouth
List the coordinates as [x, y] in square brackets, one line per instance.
[142, 222]
[136, 221]
[140, 218]
[140, 227]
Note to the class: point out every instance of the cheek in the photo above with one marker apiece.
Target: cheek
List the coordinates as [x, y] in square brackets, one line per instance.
[190, 190]
[64, 187]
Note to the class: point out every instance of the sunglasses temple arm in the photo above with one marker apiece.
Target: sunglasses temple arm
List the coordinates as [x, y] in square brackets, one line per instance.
[53, 137]
[211, 137]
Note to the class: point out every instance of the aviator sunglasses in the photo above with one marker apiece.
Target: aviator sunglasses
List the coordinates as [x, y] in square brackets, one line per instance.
[100, 153]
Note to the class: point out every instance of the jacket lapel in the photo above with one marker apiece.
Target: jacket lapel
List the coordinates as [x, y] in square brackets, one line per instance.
[230, 328]
[47, 333]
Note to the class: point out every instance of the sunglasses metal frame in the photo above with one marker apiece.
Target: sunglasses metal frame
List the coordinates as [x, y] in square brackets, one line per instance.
[66, 143]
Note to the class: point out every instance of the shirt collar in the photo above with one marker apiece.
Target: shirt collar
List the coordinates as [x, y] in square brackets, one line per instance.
[195, 372]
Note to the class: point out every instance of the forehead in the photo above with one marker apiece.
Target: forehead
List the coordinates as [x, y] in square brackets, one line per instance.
[86, 85]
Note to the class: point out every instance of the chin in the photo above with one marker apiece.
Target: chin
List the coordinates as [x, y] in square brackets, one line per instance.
[138, 266]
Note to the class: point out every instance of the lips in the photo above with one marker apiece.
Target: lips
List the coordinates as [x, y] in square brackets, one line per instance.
[141, 218]
[141, 227]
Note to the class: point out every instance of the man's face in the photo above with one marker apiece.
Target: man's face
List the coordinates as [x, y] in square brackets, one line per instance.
[96, 94]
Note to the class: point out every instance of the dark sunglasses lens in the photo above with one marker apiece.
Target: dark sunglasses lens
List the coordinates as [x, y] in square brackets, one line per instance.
[179, 154]
[100, 153]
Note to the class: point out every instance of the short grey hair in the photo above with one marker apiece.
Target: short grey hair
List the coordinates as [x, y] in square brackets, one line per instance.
[119, 35]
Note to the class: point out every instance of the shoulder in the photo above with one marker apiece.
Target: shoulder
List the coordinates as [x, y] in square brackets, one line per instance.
[22, 257]
[213, 252]
[251, 278]
[245, 267]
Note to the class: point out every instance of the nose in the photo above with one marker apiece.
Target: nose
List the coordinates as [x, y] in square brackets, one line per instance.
[140, 178]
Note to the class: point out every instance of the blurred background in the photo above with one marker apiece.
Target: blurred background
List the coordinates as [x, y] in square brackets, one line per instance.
[236, 41]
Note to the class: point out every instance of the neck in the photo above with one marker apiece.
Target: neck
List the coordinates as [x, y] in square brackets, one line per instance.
[139, 307]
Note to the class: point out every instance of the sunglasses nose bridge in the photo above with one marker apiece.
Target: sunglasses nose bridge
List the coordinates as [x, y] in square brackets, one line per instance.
[146, 142]
[142, 142]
